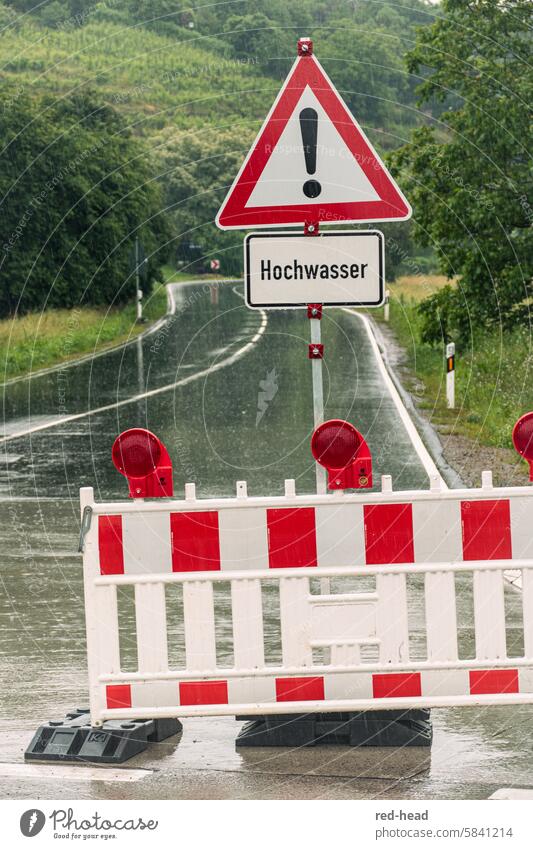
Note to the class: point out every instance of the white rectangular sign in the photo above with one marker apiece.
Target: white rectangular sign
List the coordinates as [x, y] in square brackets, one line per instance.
[288, 270]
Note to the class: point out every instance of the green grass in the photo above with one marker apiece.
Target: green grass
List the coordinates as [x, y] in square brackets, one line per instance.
[493, 373]
[39, 340]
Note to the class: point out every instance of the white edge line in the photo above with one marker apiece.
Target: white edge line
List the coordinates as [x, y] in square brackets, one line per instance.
[140, 396]
[69, 772]
[425, 457]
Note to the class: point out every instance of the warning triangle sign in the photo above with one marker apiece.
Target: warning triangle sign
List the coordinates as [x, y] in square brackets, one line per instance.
[310, 162]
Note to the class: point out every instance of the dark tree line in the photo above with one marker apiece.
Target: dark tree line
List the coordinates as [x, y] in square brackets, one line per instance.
[75, 189]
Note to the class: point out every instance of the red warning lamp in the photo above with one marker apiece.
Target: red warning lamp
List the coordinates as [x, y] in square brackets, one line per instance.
[143, 459]
[523, 440]
[339, 447]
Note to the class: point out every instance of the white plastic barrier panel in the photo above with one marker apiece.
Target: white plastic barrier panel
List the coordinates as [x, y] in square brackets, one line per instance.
[384, 636]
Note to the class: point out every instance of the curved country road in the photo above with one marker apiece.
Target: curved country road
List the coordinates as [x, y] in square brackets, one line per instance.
[229, 392]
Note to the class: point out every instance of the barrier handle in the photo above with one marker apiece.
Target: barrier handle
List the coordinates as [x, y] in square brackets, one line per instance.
[85, 527]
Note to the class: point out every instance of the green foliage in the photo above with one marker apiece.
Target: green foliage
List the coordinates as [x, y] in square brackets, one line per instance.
[442, 316]
[197, 170]
[75, 189]
[371, 78]
[256, 36]
[470, 180]
[493, 376]
[195, 84]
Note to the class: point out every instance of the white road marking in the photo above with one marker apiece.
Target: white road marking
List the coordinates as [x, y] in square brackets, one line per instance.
[228, 361]
[513, 793]
[425, 457]
[67, 772]
[171, 301]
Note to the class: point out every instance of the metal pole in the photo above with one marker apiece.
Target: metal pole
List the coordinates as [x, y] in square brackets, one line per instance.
[318, 397]
[137, 283]
[314, 312]
[450, 375]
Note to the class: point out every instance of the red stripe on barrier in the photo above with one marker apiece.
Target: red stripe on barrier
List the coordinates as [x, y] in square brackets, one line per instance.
[389, 533]
[299, 689]
[291, 537]
[203, 692]
[118, 696]
[484, 681]
[195, 541]
[110, 545]
[486, 530]
[396, 685]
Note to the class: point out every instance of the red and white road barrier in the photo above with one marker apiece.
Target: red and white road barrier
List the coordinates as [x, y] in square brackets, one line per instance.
[357, 647]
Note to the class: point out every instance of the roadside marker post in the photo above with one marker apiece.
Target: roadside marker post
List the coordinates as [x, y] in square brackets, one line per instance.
[386, 308]
[139, 267]
[450, 375]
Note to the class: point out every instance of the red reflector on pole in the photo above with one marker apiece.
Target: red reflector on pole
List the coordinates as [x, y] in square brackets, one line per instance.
[341, 449]
[523, 440]
[143, 459]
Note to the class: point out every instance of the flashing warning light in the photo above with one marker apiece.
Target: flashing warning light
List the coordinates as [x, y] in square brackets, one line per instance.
[523, 440]
[143, 459]
[341, 449]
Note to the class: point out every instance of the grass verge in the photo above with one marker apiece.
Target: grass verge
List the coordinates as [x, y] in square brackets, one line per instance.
[40, 340]
[493, 379]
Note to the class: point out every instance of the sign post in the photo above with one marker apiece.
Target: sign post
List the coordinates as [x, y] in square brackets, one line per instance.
[311, 165]
[316, 353]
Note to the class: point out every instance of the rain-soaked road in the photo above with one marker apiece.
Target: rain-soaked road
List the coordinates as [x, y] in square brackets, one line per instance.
[209, 362]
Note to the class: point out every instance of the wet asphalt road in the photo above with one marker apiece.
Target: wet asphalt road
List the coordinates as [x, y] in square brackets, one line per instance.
[217, 431]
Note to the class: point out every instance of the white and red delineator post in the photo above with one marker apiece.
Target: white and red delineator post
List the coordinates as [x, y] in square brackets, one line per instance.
[356, 647]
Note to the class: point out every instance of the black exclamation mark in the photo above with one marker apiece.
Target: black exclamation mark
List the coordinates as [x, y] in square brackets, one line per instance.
[309, 129]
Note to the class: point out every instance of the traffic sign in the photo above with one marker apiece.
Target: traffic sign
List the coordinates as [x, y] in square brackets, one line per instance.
[311, 162]
[214, 265]
[343, 268]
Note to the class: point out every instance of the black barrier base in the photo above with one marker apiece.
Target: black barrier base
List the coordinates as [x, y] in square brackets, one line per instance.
[74, 739]
[383, 728]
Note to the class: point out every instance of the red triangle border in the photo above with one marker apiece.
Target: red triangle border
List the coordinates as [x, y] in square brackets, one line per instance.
[392, 205]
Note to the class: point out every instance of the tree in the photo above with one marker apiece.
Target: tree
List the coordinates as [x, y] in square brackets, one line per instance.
[197, 170]
[258, 39]
[75, 189]
[368, 71]
[468, 178]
